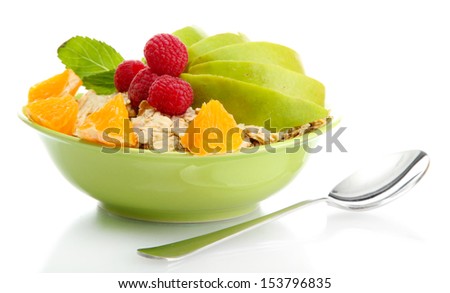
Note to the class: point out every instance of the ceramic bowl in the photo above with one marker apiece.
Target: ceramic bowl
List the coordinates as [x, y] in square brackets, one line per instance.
[175, 187]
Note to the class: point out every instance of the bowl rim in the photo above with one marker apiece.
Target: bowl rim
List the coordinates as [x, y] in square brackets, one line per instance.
[137, 151]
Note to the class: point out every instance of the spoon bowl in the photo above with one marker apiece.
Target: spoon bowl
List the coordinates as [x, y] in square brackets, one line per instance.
[372, 186]
[380, 181]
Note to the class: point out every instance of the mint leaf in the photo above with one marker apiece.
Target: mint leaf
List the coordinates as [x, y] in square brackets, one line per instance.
[86, 56]
[93, 61]
[102, 83]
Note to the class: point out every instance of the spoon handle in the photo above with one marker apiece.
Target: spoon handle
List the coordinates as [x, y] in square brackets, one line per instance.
[185, 247]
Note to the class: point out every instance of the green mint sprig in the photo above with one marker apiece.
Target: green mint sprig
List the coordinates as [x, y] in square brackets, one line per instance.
[95, 62]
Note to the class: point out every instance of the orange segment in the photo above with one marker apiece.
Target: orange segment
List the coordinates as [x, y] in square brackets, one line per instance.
[57, 86]
[57, 113]
[213, 131]
[109, 125]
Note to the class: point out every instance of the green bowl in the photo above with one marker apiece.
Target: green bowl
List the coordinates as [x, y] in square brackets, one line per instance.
[175, 187]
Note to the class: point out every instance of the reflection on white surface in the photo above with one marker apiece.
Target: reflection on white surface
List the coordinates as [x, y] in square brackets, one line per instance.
[339, 222]
[99, 242]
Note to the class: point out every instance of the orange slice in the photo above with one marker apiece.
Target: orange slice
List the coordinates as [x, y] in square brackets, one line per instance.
[109, 125]
[213, 131]
[57, 113]
[57, 86]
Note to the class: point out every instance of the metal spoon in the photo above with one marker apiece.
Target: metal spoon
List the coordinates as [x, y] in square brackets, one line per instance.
[372, 186]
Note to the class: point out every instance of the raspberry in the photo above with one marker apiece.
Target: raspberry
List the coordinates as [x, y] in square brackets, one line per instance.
[125, 73]
[140, 85]
[170, 95]
[166, 54]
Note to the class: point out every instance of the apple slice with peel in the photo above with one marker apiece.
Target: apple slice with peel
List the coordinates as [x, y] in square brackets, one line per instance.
[189, 35]
[270, 76]
[252, 104]
[261, 52]
[214, 42]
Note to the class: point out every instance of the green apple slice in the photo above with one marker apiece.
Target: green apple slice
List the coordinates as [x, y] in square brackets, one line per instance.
[252, 104]
[189, 35]
[261, 52]
[270, 76]
[214, 42]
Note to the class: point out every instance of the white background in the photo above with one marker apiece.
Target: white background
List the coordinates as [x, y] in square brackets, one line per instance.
[385, 65]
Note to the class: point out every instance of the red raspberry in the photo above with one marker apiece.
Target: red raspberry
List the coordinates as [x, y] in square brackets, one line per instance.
[125, 73]
[140, 85]
[170, 95]
[166, 54]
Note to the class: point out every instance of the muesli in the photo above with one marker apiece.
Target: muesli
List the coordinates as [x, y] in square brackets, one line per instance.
[210, 96]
